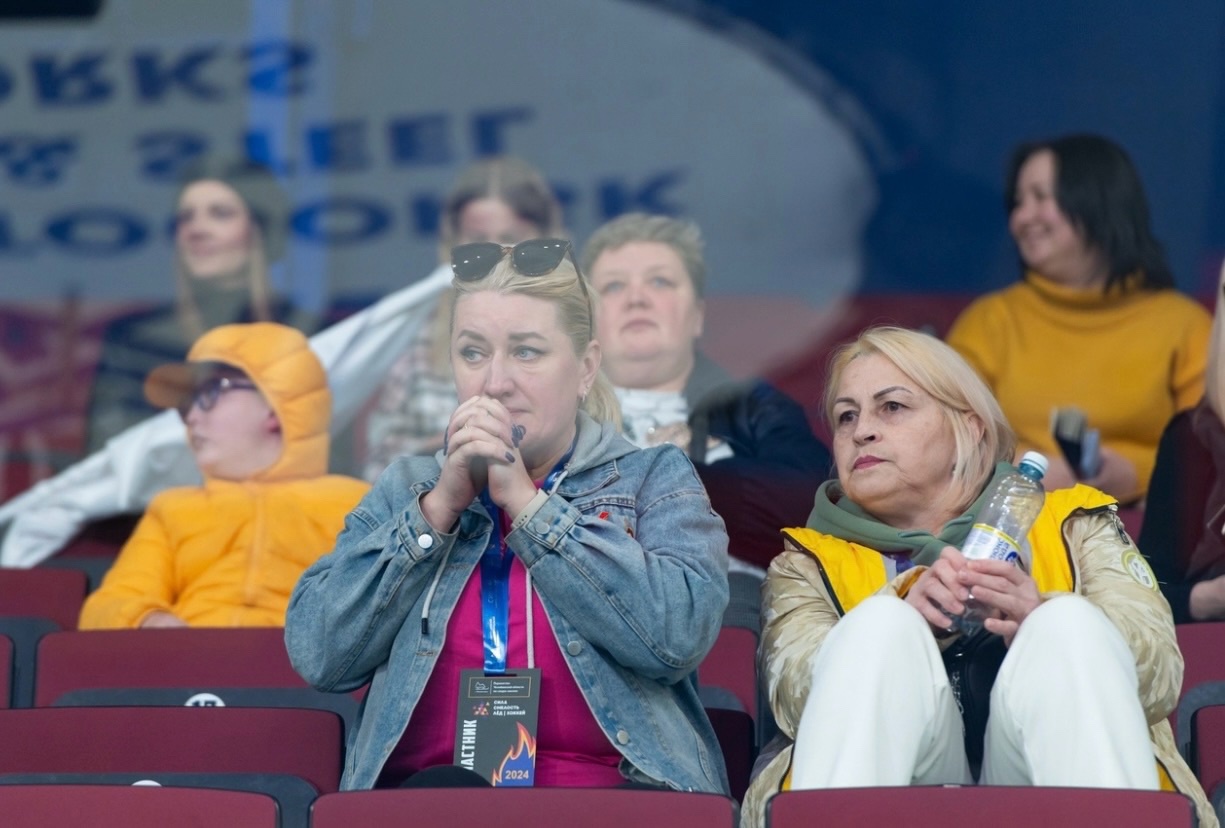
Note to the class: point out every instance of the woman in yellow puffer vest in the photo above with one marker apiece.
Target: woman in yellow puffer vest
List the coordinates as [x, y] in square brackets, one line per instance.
[867, 673]
[227, 553]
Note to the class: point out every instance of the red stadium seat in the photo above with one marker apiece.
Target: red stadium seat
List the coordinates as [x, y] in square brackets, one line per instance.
[34, 602]
[226, 667]
[1203, 681]
[174, 740]
[523, 808]
[54, 594]
[1208, 748]
[732, 664]
[997, 806]
[116, 806]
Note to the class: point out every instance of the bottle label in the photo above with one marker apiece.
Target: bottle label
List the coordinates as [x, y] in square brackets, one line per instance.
[989, 543]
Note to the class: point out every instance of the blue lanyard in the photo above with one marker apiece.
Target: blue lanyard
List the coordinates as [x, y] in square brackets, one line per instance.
[495, 581]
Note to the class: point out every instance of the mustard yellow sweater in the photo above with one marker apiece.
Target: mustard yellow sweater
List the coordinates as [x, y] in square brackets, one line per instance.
[1130, 360]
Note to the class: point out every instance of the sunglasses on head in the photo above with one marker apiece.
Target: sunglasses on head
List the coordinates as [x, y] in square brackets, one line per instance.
[206, 393]
[534, 257]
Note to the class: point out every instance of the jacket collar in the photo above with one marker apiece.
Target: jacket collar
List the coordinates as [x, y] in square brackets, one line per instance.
[835, 514]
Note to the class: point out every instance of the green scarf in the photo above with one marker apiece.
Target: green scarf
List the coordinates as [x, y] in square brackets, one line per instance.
[835, 514]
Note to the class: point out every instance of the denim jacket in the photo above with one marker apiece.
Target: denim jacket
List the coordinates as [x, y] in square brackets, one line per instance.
[630, 564]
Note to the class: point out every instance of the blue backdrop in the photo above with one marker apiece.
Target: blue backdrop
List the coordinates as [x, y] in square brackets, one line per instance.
[952, 86]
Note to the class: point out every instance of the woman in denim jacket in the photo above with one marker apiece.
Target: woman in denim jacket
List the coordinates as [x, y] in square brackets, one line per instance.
[538, 537]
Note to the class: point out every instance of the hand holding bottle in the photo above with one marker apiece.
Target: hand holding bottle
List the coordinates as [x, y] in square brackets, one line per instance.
[998, 537]
[1003, 595]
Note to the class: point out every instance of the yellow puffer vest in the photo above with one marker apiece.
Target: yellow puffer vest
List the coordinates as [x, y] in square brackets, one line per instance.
[853, 572]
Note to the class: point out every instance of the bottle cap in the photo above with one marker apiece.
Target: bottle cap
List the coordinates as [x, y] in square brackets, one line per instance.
[1037, 460]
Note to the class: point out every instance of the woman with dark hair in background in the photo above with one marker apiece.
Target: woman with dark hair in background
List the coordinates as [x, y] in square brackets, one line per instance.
[230, 225]
[1094, 324]
[503, 200]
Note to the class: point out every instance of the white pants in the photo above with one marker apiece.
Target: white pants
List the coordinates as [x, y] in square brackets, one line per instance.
[1065, 708]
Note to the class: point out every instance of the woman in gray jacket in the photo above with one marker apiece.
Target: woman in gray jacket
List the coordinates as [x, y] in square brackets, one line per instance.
[538, 538]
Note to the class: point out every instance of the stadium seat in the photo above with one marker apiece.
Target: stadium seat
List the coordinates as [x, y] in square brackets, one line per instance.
[736, 734]
[113, 806]
[523, 808]
[732, 665]
[174, 740]
[292, 794]
[1203, 680]
[34, 602]
[1207, 749]
[54, 594]
[244, 667]
[997, 806]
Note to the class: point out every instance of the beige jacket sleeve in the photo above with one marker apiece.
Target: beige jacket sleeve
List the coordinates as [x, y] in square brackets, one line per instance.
[1114, 576]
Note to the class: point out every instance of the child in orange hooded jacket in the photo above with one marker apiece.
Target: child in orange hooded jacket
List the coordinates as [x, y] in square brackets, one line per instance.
[227, 553]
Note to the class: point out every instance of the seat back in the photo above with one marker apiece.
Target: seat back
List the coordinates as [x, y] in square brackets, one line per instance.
[54, 594]
[114, 806]
[1001, 807]
[32, 603]
[523, 808]
[242, 667]
[293, 794]
[180, 657]
[1203, 679]
[731, 664]
[150, 740]
[1208, 747]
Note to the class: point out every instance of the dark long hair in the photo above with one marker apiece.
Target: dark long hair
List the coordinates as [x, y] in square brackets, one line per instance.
[1098, 189]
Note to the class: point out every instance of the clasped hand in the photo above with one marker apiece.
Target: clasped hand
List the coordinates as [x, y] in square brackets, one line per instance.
[1005, 594]
[482, 450]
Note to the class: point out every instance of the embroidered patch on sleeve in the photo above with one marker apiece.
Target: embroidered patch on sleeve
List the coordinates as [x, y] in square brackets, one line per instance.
[1139, 569]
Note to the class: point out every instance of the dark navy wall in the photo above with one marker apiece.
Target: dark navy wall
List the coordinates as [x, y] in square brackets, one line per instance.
[953, 86]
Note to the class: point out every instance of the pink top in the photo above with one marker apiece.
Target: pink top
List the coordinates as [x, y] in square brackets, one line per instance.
[571, 749]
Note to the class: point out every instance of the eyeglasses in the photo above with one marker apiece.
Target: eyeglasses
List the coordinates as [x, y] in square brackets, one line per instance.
[206, 393]
[534, 257]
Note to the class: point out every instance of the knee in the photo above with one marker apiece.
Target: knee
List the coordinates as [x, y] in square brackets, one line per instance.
[1068, 636]
[882, 621]
[1068, 619]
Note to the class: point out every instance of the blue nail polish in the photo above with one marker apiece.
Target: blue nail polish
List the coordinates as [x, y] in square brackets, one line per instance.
[510, 458]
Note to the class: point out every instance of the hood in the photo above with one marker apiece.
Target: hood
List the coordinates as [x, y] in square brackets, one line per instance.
[597, 443]
[278, 359]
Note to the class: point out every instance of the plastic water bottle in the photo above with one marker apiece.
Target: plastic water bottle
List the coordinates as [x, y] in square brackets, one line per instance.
[1003, 522]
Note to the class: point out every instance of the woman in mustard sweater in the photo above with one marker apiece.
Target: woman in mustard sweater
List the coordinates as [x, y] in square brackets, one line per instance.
[1094, 323]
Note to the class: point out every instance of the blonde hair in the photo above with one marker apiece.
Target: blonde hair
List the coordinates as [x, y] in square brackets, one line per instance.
[519, 186]
[564, 288]
[942, 373]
